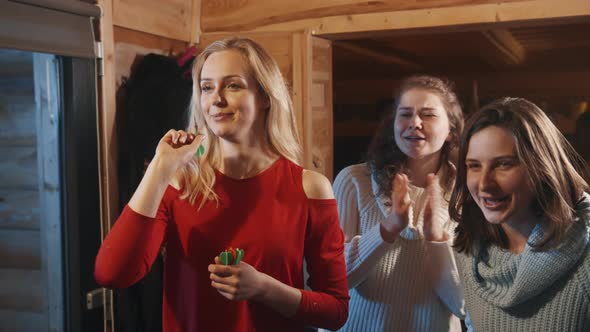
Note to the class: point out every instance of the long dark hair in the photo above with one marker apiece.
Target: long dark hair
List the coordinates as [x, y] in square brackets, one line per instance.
[553, 168]
[385, 159]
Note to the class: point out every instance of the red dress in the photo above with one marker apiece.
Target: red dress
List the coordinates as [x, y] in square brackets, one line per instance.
[268, 216]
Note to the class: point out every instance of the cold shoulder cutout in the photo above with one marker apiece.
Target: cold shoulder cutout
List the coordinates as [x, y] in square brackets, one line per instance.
[316, 185]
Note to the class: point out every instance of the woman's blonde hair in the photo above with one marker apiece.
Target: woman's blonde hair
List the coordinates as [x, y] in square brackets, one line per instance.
[198, 177]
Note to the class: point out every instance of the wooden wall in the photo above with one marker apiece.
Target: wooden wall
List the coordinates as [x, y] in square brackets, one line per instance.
[170, 22]
[355, 95]
[129, 30]
[339, 20]
[131, 27]
[321, 108]
[21, 280]
[223, 15]
[167, 18]
[335, 18]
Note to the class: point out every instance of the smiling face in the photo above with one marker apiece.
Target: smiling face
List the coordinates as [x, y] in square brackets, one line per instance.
[421, 124]
[231, 102]
[496, 179]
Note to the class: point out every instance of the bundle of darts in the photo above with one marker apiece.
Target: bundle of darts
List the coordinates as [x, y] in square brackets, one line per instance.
[231, 256]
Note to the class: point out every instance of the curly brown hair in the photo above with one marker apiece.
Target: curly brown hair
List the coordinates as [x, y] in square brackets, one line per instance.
[385, 159]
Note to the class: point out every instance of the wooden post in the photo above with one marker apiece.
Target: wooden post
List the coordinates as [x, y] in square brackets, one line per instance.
[107, 146]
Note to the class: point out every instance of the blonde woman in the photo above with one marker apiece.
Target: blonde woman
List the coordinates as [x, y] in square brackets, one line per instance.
[245, 191]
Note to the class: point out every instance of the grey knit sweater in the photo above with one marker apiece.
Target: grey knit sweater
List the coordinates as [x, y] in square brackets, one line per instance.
[535, 290]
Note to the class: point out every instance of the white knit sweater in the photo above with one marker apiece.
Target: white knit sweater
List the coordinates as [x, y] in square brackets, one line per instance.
[407, 285]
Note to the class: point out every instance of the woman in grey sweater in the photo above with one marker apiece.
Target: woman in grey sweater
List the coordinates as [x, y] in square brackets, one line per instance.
[523, 232]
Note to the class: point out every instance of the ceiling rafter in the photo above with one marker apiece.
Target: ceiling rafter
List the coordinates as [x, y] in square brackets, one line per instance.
[380, 56]
[509, 51]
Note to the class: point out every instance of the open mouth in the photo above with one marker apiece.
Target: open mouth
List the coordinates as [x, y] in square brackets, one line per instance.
[493, 203]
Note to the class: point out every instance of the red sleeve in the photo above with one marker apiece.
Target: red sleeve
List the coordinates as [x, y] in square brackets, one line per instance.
[326, 306]
[132, 245]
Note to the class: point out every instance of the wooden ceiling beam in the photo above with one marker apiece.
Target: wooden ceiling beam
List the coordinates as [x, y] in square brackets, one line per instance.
[386, 58]
[508, 50]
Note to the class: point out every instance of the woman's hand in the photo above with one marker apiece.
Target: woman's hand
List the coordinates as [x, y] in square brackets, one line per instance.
[177, 148]
[400, 208]
[433, 226]
[236, 282]
[174, 151]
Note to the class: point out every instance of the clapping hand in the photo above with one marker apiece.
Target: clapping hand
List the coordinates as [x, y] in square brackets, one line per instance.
[399, 218]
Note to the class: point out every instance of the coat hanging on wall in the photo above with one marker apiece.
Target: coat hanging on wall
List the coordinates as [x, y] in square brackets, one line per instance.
[154, 99]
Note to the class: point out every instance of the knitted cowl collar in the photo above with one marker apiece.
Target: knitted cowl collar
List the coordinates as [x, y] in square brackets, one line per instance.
[507, 280]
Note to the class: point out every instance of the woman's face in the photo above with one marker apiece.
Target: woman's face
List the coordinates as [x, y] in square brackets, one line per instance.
[230, 99]
[421, 124]
[496, 178]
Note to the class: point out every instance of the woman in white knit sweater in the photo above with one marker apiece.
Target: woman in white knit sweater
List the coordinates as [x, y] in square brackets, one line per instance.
[401, 270]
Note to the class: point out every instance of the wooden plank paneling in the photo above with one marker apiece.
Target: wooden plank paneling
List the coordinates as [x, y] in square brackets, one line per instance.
[195, 22]
[564, 83]
[149, 41]
[439, 19]
[21, 86]
[239, 15]
[15, 64]
[122, 47]
[107, 139]
[166, 18]
[278, 45]
[363, 91]
[355, 129]
[540, 38]
[107, 106]
[297, 94]
[131, 45]
[20, 249]
[321, 105]
[11, 321]
[21, 295]
[19, 209]
[547, 83]
[20, 290]
[18, 168]
[302, 87]
[14, 70]
[17, 120]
